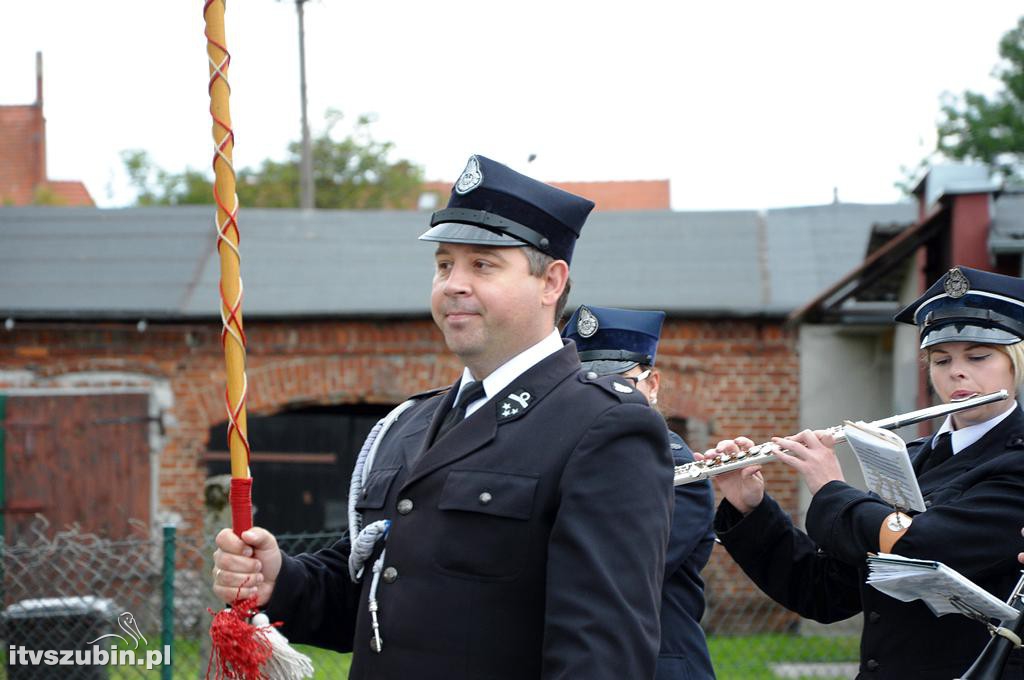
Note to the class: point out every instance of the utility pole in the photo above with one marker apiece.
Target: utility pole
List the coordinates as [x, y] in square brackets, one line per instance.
[306, 163]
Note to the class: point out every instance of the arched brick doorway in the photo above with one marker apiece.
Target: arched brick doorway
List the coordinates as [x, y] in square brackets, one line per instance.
[301, 463]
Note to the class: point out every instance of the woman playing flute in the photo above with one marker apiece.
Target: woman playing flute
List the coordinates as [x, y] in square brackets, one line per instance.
[971, 474]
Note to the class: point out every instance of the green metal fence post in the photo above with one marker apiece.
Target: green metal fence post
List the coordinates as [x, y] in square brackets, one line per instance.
[3, 465]
[167, 637]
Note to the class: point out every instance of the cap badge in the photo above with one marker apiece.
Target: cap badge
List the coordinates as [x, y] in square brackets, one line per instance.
[587, 324]
[956, 284]
[471, 177]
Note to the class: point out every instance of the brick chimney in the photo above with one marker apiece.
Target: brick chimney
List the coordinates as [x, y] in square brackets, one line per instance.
[965, 192]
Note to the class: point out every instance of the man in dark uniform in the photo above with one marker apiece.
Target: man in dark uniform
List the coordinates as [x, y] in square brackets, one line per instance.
[513, 525]
[624, 342]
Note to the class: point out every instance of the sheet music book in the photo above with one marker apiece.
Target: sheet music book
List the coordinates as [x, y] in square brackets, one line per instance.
[944, 590]
[886, 465]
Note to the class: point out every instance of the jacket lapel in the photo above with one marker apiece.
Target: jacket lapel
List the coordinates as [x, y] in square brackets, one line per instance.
[995, 442]
[922, 455]
[480, 429]
[419, 442]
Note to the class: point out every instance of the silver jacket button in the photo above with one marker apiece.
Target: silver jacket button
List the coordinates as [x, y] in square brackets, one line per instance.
[404, 506]
[485, 498]
[389, 575]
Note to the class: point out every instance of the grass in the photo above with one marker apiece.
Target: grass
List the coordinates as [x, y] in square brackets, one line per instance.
[187, 662]
[747, 657]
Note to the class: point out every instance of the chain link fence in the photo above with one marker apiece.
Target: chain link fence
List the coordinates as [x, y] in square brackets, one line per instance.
[147, 594]
[150, 594]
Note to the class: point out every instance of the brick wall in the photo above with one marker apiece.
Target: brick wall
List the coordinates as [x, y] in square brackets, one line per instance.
[729, 378]
[723, 377]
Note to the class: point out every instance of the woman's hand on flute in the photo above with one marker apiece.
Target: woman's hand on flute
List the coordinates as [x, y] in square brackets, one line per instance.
[811, 454]
[743, 488]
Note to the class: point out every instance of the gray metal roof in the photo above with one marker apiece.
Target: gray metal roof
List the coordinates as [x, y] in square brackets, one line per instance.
[160, 263]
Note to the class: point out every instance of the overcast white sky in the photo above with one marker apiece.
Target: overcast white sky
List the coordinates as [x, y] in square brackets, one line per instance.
[740, 104]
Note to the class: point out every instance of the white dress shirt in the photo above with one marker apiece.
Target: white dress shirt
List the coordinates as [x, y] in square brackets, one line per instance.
[966, 436]
[502, 376]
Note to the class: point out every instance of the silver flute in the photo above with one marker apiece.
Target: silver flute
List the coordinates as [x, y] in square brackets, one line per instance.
[765, 453]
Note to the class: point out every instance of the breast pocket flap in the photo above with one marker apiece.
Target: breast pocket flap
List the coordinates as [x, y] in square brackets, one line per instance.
[375, 491]
[500, 494]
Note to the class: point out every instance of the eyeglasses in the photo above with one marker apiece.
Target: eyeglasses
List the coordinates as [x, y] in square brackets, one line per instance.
[639, 377]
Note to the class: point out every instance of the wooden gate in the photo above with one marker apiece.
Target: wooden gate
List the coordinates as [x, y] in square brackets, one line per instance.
[75, 459]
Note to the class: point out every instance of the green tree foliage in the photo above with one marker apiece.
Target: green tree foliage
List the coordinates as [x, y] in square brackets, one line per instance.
[990, 129]
[353, 172]
[156, 186]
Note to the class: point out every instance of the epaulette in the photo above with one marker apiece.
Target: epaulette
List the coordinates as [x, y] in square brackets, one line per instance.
[430, 393]
[622, 389]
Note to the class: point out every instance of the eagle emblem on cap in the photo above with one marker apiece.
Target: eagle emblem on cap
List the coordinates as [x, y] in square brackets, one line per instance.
[956, 284]
[471, 177]
[587, 324]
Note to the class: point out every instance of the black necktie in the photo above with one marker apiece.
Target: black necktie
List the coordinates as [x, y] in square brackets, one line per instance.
[942, 452]
[458, 413]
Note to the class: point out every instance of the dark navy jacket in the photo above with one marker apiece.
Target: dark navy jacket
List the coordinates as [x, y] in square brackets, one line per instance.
[975, 512]
[684, 650]
[526, 543]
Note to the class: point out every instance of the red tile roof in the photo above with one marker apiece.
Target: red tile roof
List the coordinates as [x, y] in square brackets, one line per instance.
[69, 193]
[23, 162]
[651, 194]
[611, 195]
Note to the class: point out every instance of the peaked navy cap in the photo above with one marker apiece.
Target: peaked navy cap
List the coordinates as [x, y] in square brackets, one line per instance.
[493, 205]
[611, 340]
[969, 305]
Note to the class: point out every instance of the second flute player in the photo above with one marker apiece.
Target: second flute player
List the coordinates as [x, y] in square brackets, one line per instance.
[971, 474]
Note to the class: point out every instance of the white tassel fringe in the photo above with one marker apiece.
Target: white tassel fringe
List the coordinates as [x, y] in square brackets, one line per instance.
[286, 662]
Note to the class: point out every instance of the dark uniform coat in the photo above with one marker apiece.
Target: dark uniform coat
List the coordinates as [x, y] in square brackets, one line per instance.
[975, 511]
[684, 651]
[529, 542]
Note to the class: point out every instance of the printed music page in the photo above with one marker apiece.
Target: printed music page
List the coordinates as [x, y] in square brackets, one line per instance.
[944, 590]
[886, 465]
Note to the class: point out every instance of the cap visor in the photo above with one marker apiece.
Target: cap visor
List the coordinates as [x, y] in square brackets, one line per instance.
[453, 232]
[965, 333]
[608, 367]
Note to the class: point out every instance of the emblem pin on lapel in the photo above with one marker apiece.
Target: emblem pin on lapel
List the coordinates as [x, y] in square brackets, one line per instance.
[514, 403]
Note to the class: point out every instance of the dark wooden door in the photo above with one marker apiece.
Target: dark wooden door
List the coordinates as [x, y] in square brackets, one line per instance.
[301, 464]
